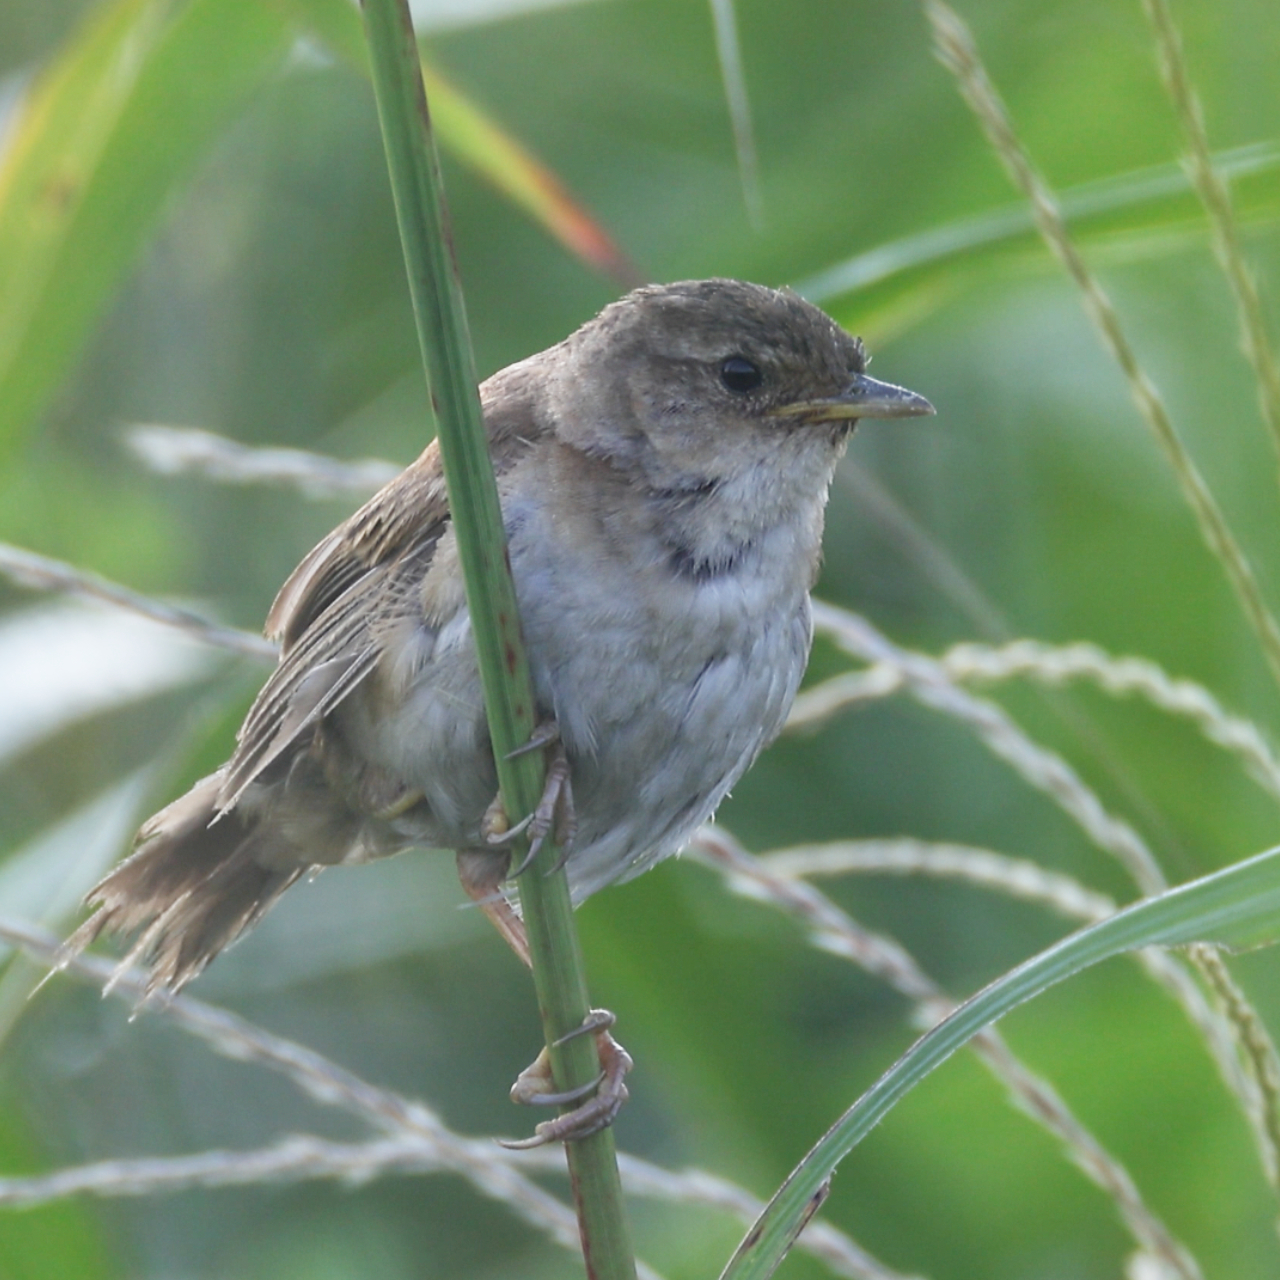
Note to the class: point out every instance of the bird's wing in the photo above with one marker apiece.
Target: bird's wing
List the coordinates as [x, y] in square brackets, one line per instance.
[331, 616]
[328, 615]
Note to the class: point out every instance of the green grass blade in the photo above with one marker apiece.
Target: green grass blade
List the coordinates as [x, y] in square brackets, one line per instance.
[101, 140]
[734, 79]
[1237, 907]
[1151, 201]
[484, 146]
[64, 1238]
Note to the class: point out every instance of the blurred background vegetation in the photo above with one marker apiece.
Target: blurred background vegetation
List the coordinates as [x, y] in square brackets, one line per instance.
[196, 231]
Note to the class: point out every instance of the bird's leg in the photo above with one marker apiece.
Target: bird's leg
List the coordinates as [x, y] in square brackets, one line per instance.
[554, 811]
[483, 873]
[535, 1086]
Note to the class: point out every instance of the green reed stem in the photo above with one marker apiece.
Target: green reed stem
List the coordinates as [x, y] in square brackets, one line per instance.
[477, 519]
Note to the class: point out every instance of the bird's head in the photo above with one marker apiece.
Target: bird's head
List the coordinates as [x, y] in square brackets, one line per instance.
[694, 383]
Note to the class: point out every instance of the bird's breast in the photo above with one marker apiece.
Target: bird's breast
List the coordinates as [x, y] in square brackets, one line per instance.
[664, 685]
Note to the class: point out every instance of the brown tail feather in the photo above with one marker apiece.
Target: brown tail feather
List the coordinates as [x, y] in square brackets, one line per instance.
[192, 887]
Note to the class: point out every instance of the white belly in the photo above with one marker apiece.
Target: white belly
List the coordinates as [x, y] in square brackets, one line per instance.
[664, 688]
[663, 697]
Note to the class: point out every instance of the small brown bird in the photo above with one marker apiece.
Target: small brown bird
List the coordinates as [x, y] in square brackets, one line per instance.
[663, 473]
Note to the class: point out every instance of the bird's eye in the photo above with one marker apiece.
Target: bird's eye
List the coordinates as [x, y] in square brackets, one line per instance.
[740, 374]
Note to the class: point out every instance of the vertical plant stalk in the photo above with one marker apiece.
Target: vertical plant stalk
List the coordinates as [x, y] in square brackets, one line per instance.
[729, 53]
[955, 48]
[1215, 196]
[473, 498]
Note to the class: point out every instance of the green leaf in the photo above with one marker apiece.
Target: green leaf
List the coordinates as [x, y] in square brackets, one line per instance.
[483, 145]
[63, 1238]
[1144, 212]
[45, 882]
[101, 140]
[1238, 907]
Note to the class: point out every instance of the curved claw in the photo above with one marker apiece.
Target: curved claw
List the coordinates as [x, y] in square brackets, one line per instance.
[543, 735]
[563, 1098]
[554, 811]
[503, 839]
[495, 827]
[596, 1020]
[553, 814]
[608, 1091]
[535, 847]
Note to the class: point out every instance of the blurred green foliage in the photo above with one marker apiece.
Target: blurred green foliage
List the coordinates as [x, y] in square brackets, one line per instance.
[216, 247]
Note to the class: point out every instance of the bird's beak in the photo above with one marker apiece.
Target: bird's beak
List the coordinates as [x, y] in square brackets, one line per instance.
[863, 398]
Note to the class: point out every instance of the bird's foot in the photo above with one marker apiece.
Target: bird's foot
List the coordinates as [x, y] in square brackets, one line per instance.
[554, 813]
[535, 1086]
